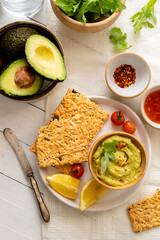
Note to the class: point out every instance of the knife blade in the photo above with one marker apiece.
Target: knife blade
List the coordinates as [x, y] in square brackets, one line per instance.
[18, 149]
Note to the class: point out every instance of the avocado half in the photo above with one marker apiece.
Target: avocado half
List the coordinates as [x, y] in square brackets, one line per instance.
[8, 85]
[45, 58]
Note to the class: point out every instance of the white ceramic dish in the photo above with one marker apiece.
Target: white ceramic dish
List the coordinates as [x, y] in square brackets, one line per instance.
[143, 74]
[152, 89]
[113, 198]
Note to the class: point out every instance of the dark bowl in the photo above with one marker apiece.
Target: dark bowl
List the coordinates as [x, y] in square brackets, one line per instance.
[47, 85]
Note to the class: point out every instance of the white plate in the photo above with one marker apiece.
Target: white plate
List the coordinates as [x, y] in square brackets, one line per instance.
[113, 198]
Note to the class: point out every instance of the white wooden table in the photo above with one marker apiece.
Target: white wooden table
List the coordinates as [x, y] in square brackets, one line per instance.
[86, 58]
[19, 213]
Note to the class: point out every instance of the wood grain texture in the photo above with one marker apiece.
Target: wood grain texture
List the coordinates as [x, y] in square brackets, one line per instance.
[20, 217]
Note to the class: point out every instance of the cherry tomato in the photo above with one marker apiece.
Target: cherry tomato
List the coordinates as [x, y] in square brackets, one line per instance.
[0, 62]
[129, 127]
[77, 171]
[117, 118]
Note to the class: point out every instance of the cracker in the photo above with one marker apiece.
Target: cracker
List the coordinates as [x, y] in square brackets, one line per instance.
[89, 114]
[67, 135]
[145, 213]
[33, 147]
[61, 143]
[66, 169]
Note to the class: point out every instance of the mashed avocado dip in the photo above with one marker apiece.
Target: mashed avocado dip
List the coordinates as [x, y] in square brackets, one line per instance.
[123, 164]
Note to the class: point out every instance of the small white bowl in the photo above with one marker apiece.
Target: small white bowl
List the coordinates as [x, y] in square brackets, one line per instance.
[143, 74]
[144, 96]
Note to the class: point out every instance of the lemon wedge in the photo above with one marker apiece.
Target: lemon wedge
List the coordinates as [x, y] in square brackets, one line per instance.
[64, 184]
[90, 193]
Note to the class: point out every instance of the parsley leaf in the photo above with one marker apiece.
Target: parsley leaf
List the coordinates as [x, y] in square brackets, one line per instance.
[119, 39]
[141, 18]
[83, 10]
[108, 150]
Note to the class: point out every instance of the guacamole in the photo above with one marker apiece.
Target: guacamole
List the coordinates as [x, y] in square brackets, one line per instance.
[123, 164]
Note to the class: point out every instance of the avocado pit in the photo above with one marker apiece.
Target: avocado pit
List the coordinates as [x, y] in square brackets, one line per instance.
[24, 77]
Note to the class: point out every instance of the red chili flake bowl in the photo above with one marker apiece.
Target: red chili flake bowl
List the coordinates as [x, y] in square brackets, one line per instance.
[142, 75]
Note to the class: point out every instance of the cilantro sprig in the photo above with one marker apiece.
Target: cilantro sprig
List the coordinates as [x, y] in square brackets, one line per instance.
[119, 39]
[108, 149]
[141, 18]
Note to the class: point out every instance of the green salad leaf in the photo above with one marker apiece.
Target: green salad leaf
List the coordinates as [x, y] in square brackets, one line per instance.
[108, 149]
[68, 6]
[141, 18]
[87, 6]
[119, 39]
[83, 10]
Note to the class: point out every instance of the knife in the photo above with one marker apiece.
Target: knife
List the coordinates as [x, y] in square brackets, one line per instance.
[17, 147]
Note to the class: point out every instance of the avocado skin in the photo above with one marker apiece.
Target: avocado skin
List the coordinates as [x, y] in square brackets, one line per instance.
[10, 88]
[12, 43]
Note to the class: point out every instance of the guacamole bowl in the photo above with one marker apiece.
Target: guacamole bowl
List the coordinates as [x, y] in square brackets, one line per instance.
[118, 160]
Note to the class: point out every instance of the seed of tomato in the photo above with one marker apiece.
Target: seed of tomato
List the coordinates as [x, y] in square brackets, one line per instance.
[117, 118]
[129, 127]
[77, 171]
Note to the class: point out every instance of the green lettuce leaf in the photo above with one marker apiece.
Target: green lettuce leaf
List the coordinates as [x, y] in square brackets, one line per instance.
[80, 10]
[87, 6]
[68, 6]
[141, 18]
[119, 39]
[110, 6]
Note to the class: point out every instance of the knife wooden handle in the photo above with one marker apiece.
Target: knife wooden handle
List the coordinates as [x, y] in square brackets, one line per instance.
[42, 206]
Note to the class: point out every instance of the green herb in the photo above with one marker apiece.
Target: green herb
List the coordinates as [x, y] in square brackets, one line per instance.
[141, 18]
[108, 150]
[119, 39]
[68, 6]
[84, 10]
[87, 6]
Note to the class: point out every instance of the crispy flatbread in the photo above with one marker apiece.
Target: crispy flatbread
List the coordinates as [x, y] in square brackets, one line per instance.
[66, 169]
[67, 135]
[145, 213]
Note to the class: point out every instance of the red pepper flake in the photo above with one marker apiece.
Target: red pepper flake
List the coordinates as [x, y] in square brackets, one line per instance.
[122, 181]
[124, 75]
[120, 145]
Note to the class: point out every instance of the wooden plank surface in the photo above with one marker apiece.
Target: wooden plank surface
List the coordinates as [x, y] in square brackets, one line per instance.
[20, 217]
